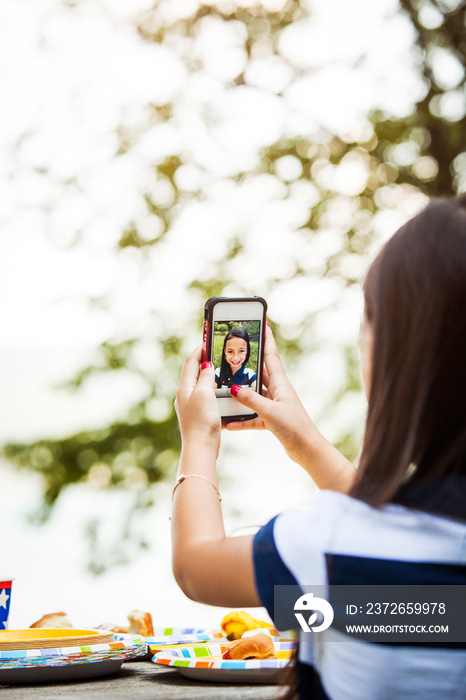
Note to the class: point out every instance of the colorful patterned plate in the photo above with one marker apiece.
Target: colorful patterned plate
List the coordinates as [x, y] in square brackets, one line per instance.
[37, 665]
[205, 663]
[170, 635]
[176, 636]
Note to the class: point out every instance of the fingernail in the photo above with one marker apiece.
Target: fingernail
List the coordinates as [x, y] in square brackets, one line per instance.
[206, 364]
[235, 389]
[268, 324]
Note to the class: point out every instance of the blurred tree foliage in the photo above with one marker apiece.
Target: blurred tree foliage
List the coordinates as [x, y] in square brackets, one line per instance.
[388, 159]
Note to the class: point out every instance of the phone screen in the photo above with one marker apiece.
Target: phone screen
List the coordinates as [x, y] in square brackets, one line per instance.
[235, 353]
[233, 341]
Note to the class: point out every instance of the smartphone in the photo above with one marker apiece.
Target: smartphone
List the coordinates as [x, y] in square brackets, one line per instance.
[233, 340]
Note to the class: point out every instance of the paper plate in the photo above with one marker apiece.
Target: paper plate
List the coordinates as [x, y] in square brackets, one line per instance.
[45, 638]
[170, 635]
[205, 663]
[175, 636]
[284, 636]
[49, 658]
[54, 674]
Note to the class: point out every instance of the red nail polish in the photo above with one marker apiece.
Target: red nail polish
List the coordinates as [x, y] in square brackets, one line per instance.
[268, 324]
[235, 389]
[206, 364]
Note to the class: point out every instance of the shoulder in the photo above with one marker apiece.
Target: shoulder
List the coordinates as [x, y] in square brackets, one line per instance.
[302, 537]
[290, 550]
[326, 509]
[249, 373]
[338, 523]
[294, 547]
[297, 541]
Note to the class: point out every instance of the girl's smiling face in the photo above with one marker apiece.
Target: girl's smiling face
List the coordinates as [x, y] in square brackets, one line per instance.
[236, 350]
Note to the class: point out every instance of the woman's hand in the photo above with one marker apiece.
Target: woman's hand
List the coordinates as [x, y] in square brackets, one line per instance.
[196, 405]
[281, 411]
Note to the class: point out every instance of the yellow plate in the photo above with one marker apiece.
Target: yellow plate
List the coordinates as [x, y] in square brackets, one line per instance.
[11, 640]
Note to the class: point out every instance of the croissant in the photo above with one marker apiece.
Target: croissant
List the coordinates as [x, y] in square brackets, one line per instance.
[260, 646]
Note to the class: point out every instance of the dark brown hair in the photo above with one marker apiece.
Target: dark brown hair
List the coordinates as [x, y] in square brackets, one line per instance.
[414, 449]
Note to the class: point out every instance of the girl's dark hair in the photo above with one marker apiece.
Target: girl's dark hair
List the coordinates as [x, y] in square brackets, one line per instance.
[414, 450]
[238, 332]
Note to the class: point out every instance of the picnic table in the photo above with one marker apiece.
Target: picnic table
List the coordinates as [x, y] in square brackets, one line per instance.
[141, 680]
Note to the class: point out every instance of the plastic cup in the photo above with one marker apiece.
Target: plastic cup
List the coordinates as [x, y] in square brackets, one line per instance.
[5, 600]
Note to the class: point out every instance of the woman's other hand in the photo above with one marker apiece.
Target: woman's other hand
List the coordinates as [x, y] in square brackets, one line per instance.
[279, 409]
[281, 412]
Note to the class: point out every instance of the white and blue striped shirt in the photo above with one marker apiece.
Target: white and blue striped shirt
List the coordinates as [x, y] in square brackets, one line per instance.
[375, 546]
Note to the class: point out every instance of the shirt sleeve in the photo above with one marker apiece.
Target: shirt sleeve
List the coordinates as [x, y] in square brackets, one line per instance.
[269, 568]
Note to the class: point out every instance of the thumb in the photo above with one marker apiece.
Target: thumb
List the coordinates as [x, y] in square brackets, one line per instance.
[251, 399]
[207, 374]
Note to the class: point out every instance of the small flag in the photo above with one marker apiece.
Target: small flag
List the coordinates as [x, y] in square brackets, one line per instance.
[5, 597]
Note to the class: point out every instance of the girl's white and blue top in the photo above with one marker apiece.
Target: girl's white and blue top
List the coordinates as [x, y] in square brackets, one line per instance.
[368, 546]
[243, 377]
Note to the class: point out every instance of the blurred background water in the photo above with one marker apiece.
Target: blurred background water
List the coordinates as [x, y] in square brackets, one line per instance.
[153, 154]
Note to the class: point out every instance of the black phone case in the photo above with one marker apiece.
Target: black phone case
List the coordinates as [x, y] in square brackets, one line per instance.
[207, 341]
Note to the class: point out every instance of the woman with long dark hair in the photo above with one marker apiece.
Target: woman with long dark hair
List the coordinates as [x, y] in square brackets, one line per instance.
[399, 519]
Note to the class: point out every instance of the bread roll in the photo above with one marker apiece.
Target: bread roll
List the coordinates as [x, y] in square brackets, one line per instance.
[56, 620]
[112, 627]
[140, 622]
[260, 646]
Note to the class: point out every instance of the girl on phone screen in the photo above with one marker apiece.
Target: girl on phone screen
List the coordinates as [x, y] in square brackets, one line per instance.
[397, 520]
[235, 355]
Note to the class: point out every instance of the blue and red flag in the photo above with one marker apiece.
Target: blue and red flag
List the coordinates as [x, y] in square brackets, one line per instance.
[5, 597]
